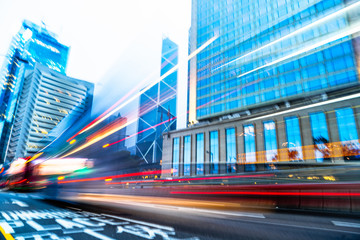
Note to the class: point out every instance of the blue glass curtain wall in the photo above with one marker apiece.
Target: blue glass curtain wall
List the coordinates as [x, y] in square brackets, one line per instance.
[214, 152]
[176, 156]
[230, 150]
[199, 153]
[320, 136]
[348, 133]
[293, 138]
[270, 141]
[187, 155]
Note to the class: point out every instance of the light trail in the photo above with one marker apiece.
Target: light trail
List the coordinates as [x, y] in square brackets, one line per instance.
[152, 127]
[346, 33]
[312, 194]
[316, 23]
[115, 176]
[108, 113]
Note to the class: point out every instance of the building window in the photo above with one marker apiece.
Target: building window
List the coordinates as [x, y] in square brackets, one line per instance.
[320, 136]
[214, 152]
[293, 138]
[230, 150]
[187, 155]
[176, 155]
[348, 134]
[199, 153]
[270, 141]
[250, 148]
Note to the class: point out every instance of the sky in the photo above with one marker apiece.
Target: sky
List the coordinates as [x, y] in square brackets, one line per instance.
[103, 35]
[113, 43]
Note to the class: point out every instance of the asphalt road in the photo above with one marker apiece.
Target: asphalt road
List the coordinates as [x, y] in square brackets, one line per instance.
[30, 216]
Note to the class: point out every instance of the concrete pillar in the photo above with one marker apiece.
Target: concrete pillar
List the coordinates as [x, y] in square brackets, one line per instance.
[193, 155]
[240, 149]
[166, 157]
[181, 156]
[281, 138]
[306, 139]
[334, 137]
[222, 152]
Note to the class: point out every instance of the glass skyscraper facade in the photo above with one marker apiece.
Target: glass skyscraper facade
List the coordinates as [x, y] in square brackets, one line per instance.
[269, 51]
[32, 44]
[157, 109]
[274, 83]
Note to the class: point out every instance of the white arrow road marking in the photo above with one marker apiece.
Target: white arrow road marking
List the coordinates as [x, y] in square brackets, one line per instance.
[19, 203]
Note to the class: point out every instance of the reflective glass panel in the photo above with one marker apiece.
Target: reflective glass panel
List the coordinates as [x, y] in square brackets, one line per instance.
[270, 141]
[214, 152]
[348, 133]
[199, 153]
[187, 155]
[320, 136]
[176, 155]
[293, 138]
[230, 150]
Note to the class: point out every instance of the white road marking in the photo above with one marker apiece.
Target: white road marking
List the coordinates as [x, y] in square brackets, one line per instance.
[19, 203]
[141, 222]
[346, 224]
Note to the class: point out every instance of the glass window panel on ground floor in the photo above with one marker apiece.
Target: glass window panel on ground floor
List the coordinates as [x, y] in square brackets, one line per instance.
[199, 153]
[230, 150]
[214, 152]
[187, 155]
[320, 136]
[176, 156]
[348, 133]
[270, 141]
[250, 147]
[293, 138]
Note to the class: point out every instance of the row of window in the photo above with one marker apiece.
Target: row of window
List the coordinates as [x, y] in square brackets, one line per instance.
[347, 130]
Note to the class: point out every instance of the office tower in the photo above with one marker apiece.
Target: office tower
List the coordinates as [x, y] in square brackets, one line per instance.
[46, 98]
[157, 109]
[32, 44]
[268, 61]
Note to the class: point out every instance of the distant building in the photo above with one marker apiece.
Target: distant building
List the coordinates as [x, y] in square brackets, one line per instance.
[279, 82]
[45, 99]
[157, 110]
[32, 44]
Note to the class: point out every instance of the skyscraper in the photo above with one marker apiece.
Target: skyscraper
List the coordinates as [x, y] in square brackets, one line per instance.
[46, 98]
[157, 108]
[278, 83]
[271, 51]
[32, 44]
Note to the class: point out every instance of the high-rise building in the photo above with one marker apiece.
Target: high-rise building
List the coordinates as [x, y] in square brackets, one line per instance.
[32, 44]
[46, 98]
[276, 84]
[157, 110]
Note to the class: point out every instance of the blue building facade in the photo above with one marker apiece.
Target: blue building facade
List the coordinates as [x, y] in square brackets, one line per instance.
[157, 108]
[32, 44]
[269, 51]
[277, 84]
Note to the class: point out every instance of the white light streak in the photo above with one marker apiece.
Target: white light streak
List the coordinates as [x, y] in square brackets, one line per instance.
[316, 23]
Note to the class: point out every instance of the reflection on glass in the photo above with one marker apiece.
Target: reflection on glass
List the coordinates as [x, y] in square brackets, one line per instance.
[214, 152]
[293, 138]
[320, 135]
[199, 153]
[176, 155]
[230, 150]
[250, 149]
[187, 155]
[348, 135]
[270, 141]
